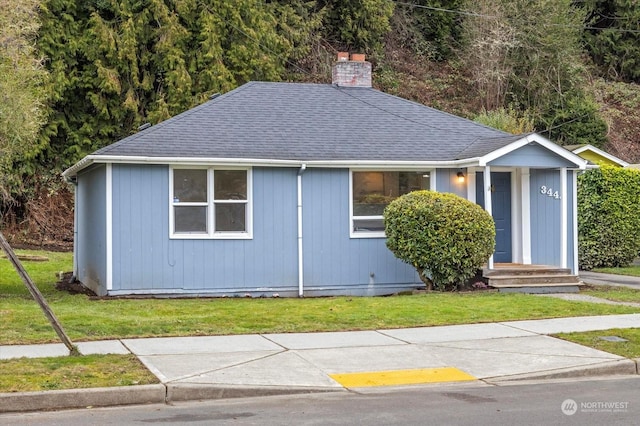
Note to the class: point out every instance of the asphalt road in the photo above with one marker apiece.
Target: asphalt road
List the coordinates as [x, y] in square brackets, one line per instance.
[592, 402]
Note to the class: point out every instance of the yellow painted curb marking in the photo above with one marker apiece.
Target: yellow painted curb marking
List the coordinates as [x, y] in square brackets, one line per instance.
[402, 377]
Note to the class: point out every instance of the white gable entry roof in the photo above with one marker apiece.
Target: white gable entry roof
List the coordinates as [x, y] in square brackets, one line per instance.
[534, 138]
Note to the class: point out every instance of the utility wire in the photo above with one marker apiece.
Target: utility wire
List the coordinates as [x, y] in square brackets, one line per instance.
[479, 15]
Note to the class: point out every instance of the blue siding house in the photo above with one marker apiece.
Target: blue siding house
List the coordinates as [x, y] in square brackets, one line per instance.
[279, 188]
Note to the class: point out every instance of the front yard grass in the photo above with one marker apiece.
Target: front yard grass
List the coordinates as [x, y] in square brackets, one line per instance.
[629, 349]
[72, 372]
[617, 294]
[84, 318]
[633, 270]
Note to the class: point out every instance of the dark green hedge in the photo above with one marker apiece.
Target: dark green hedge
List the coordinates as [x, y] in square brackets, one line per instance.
[608, 217]
[445, 237]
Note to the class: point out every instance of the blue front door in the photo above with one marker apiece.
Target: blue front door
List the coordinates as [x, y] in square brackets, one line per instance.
[501, 210]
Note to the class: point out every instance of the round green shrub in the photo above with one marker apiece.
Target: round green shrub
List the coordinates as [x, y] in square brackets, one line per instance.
[445, 237]
[608, 217]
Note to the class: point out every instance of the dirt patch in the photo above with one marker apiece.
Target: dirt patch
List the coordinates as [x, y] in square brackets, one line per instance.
[72, 286]
[28, 257]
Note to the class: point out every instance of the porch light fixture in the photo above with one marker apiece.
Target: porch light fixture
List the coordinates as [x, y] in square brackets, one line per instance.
[460, 177]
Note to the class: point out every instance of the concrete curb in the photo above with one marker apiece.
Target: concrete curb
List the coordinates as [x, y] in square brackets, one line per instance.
[82, 398]
[176, 392]
[193, 392]
[606, 368]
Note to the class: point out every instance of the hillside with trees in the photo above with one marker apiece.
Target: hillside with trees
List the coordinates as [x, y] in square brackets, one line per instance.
[77, 75]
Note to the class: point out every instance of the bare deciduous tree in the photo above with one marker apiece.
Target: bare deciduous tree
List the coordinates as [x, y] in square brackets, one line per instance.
[491, 39]
[21, 87]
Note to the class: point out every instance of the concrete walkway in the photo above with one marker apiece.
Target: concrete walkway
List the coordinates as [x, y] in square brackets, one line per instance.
[192, 368]
[598, 278]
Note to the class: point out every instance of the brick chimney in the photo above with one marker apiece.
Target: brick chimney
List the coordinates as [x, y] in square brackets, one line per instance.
[351, 71]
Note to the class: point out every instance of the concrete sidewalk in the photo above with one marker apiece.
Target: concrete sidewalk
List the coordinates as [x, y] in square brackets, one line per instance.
[192, 368]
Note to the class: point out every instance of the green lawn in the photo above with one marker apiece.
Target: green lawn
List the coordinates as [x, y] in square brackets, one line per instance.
[72, 372]
[617, 294]
[629, 349]
[630, 270]
[84, 318]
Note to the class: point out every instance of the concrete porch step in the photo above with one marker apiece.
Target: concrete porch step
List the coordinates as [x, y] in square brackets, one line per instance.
[531, 279]
[539, 288]
[537, 279]
[525, 270]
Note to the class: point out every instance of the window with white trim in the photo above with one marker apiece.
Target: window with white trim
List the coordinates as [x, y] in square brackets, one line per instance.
[372, 191]
[210, 203]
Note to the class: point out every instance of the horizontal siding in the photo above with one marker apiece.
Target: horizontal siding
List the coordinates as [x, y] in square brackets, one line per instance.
[146, 260]
[331, 258]
[91, 245]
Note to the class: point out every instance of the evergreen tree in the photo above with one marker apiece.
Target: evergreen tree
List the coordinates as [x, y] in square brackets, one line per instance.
[118, 64]
[612, 36]
[357, 25]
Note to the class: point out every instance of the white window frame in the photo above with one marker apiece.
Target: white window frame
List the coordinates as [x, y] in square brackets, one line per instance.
[378, 234]
[247, 234]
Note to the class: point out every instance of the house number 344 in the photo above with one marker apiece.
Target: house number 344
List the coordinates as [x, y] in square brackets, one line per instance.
[549, 192]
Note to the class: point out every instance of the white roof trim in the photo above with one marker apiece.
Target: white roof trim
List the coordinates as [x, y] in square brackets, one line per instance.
[363, 164]
[197, 161]
[601, 153]
[395, 165]
[580, 162]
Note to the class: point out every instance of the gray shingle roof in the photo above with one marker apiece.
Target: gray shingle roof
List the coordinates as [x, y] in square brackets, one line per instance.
[312, 122]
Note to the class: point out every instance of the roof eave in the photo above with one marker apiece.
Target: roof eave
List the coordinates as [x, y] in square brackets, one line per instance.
[601, 153]
[200, 161]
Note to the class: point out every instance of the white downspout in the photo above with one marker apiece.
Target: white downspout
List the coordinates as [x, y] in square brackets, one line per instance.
[300, 258]
[109, 227]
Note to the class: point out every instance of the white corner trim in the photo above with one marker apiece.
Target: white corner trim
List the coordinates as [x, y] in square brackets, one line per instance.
[564, 220]
[526, 215]
[76, 214]
[574, 201]
[471, 184]
[487, 201]
[169, 201]
[516, 216]
[109, 226]
[300, 229]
